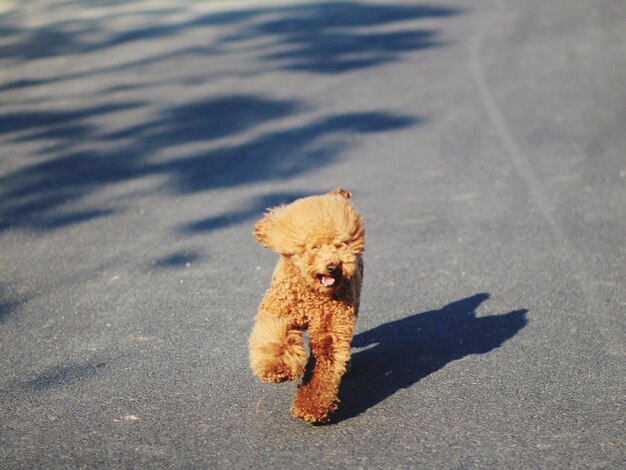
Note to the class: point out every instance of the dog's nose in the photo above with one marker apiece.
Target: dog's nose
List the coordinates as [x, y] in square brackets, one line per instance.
[332, 269]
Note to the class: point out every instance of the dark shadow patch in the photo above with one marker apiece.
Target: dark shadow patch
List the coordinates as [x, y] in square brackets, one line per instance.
[338, 37]
[72, 36]
[254, 209]
[64, 219]
[338, 53]
[8, 303]
[177, 260]
[50, 120]
[23, 83]
[61, 376]
[58, 133]
[402, 352]
[208, 119]
[277, 155]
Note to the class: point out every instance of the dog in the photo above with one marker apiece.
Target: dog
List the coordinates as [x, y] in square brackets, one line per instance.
[316, 287]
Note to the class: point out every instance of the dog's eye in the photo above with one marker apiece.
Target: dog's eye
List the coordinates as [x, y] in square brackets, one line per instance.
[339, 245]
[314, 247]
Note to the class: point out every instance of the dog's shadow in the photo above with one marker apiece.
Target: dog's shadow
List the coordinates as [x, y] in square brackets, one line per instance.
[401, 352]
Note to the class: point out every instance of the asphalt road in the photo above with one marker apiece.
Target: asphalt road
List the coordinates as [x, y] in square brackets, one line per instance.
[484, 143]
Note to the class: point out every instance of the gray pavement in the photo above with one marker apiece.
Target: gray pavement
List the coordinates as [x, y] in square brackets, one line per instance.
[484, 143]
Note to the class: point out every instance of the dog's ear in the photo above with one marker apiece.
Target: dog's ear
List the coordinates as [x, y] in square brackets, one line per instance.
[262, 229]
[341, 192]
[272, 233]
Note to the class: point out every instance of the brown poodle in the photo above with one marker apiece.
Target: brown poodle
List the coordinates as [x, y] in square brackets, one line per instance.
[315, 287]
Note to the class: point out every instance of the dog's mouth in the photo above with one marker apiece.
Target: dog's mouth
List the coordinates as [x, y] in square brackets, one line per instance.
[331, 278]
[326, 280]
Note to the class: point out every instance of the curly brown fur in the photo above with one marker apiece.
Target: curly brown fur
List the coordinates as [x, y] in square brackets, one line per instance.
[316, 287]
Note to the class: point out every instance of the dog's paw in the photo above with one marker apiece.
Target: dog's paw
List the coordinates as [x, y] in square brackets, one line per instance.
[312, 414]
[279, 362]
[276, 371]
[313, 411]
[276, 352]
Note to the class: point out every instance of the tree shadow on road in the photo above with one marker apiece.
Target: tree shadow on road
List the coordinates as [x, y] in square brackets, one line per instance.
[318, 37]
[338, 37]
[402, 352]
[254, 208]
[34, 196]
[195, 141]
[9, 302]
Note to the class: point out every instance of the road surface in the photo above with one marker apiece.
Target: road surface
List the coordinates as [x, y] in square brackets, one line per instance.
[484, 144]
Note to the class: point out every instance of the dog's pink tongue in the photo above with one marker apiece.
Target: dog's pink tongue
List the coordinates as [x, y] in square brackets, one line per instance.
[328, 281]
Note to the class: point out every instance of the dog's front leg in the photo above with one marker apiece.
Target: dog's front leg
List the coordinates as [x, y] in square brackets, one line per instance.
[316, 397]
[276, 347]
